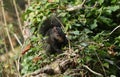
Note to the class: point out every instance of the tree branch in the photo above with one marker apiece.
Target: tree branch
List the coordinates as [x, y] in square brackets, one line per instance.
[115, 29]
[76, 7]
[98, 74]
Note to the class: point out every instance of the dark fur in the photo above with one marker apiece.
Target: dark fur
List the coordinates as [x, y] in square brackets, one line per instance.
[48, 24]
[51, 27]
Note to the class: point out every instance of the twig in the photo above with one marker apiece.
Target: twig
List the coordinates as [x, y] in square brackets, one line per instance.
[95, 4]
[100, 63]
[114, 29]
[76, 7]
[18, 39]
[18, 61]
[98, 74]
[28, 2]
[19, 22]
[112, 63]
[5, 22]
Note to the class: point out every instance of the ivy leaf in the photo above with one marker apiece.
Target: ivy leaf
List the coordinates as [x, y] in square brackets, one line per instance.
[100, 1]
[88, 58]
[111, 9]
[113, 1]
[66, 76]
[105, 20]
[30, 9]
[106, 65]
[92, 47]
[87, 31]
[75, 32]
[84, 44]
[94, 25]
[62, 14]
[78, 25]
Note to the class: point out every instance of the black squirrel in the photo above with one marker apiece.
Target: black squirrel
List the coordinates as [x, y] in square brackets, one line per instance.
[51, 27]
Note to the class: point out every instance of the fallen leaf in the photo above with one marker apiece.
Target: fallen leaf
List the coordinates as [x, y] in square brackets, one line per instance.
[35, 59]
[26, 49]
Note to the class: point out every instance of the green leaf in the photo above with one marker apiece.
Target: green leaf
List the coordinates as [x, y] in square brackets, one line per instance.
[30, 9]
[113, 8]
[105, 20]
[77, 24]
[88, 58]
[94, 25]
[87, 31]
[66, 76]
[62, 14]
[100, 1]
[113, 1]
[92, 47]
[84, 44]
[75, 32]
[112, 76]
[106, 65]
